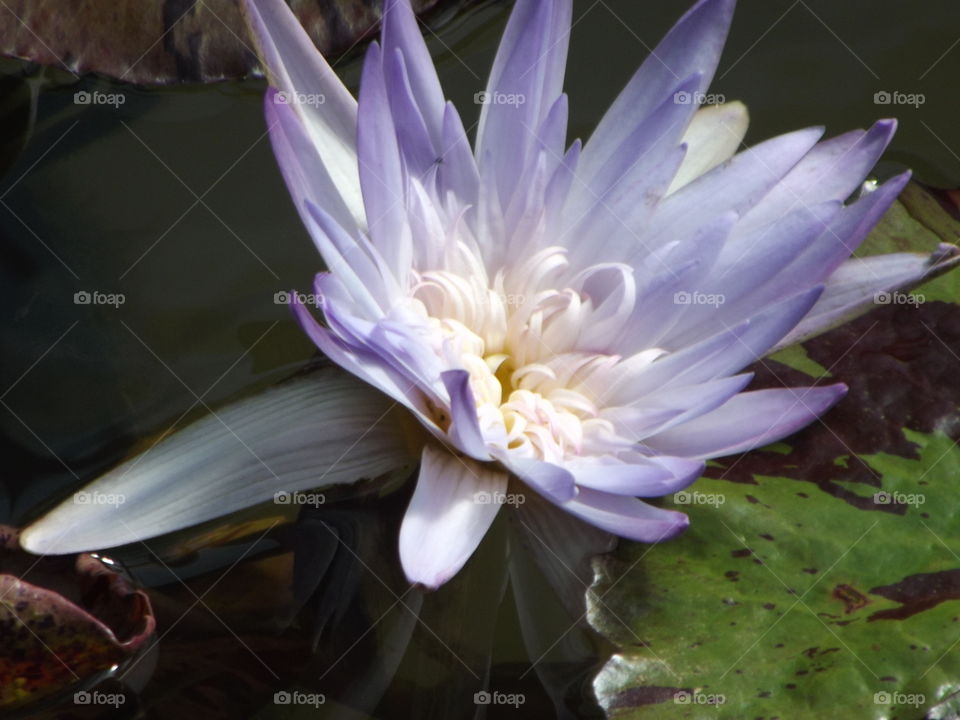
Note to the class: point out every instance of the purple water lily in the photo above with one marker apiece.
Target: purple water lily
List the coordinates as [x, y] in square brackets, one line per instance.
[577, 317]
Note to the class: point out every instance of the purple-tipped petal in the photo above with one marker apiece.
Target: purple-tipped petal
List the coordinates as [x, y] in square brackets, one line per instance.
[668, 279]
[832, 170]
[325, 106]
[863, 284]
[453, 505]
[382, 174]
[607, 216]
[417, 147]
[749, 420]
[659, 411]
[367, 366]
[626, 517]
[723, 353]
[302, 167]
[750, 272]
[552, 481]
[637, 476]
[464, 428]
[525, 83]
[848, 229]
[692, 46]
[457, 173]
[401, 33]
[739, 184]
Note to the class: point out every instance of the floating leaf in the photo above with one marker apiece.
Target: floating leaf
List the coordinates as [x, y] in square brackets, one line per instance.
[157, 42]
[75, 618]
[820, 576]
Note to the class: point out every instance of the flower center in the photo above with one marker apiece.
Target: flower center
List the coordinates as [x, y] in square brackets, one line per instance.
[527, 376]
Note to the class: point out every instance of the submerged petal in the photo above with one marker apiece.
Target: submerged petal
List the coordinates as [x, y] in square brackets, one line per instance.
[317, 429]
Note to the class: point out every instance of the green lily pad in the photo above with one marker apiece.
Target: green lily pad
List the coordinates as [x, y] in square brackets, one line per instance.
[782, 601]
[820, 576]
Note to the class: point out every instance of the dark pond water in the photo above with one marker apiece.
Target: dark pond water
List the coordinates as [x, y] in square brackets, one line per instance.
[174, 200]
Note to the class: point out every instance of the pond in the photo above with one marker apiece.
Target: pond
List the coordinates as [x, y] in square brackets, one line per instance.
[146, 239]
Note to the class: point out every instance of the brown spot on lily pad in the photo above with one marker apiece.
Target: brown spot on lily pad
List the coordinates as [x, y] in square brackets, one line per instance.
[851, 598]
[917, 593]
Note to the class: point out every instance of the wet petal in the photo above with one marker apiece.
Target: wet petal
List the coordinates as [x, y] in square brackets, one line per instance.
[453, 505]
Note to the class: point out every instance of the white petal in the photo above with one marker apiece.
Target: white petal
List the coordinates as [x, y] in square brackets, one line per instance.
[713, 136]
[309, 84]
[319, 429]
[455, 501]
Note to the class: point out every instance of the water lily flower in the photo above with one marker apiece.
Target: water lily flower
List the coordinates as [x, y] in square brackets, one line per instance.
[573, 317]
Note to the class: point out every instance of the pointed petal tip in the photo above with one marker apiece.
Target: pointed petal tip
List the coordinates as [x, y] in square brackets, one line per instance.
[36, 539]
[945, 253]
[669, 530]
[886, 125]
